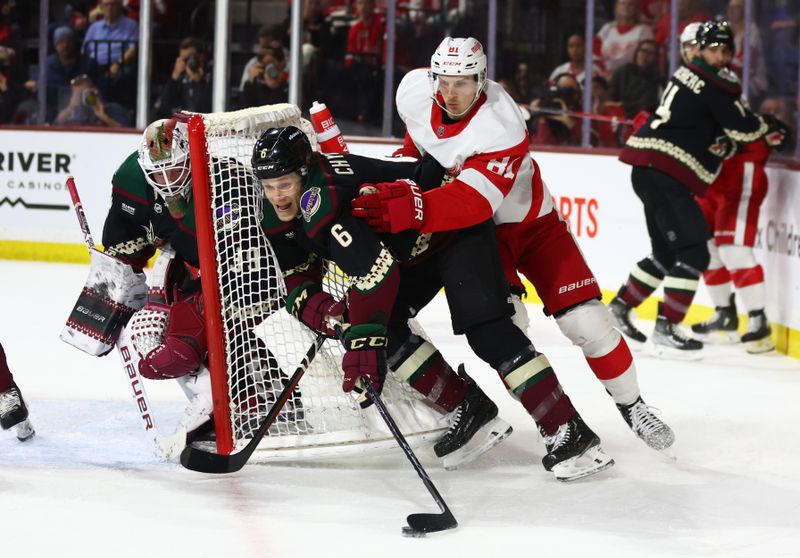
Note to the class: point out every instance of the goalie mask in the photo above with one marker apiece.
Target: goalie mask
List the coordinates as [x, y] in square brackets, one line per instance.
[280, 151]
[458, 57]
[164, 159]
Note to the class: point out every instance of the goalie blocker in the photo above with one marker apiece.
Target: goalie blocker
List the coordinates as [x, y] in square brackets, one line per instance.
[112, 293]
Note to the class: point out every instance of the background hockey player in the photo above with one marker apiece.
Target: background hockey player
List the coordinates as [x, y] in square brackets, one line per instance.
[676, 156]
[731, 207]
[395, 276]
[13, 411]
[151, 208]
[473, 128]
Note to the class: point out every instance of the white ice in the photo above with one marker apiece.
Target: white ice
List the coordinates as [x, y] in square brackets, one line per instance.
[87, 484]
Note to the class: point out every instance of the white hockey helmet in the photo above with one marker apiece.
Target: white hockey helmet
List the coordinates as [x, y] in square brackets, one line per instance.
[689, 39]
[164, 158]
[458, 57]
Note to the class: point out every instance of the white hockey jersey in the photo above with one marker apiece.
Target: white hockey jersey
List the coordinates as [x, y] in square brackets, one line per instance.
[487, 152]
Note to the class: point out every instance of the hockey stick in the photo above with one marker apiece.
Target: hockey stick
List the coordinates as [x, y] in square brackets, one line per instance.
[197, 459]
[418, 523]
[166, 447]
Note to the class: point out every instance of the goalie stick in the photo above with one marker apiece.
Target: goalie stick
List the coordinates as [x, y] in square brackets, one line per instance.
[166, 447]
[202, 461]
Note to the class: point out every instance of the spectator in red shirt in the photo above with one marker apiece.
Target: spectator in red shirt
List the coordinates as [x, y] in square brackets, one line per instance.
[363, 59]
[610, 131]
[552, 122]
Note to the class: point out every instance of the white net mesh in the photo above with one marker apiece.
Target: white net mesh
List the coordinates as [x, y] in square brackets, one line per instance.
[264, 344]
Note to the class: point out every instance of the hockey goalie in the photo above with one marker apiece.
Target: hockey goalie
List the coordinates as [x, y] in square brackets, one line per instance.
[158, 330]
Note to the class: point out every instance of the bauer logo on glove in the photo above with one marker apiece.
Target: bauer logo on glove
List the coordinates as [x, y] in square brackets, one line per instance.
[391, 206]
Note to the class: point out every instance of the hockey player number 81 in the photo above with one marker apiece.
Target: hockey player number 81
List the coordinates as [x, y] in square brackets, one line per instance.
[663, 111]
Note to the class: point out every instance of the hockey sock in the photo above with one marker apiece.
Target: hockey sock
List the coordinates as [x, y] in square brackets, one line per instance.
[680, 286]
[525, 371]
[749, 285]
[589, 326]
[717, 278]
[420, 364]
[6, 379]
[645, 277]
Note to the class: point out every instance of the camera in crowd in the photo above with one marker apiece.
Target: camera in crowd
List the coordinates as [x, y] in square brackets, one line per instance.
[193, 62]
[89, 97]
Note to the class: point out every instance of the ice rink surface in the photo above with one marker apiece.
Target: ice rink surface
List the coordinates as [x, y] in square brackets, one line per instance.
[87, 484]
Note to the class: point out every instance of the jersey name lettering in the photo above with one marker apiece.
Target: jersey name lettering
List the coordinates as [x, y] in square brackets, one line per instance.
[690, 79]
[339, 164]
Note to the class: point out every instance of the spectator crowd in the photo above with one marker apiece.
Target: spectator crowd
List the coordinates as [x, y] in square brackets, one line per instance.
[91, 66]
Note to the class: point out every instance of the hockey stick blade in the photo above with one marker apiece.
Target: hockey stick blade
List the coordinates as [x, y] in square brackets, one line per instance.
[202, 461]
[418, 523]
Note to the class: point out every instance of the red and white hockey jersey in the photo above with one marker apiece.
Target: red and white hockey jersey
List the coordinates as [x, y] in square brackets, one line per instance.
[487, 152]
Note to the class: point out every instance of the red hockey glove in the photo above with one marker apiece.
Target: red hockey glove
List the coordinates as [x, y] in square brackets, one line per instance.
[390, 206]
[366, 356]
[313, 307]
[779, 134]
[640, 120]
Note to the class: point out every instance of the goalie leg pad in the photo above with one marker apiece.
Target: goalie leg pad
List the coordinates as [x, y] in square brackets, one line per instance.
[111, 294]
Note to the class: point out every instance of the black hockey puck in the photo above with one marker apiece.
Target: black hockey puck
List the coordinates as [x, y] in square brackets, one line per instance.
[409, 532]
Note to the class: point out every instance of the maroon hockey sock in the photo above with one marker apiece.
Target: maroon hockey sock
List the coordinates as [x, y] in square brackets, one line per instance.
[644, 278]
[6, 379]
[547, 403]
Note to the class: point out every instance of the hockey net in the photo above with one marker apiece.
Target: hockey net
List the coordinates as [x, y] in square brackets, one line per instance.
[254, 344]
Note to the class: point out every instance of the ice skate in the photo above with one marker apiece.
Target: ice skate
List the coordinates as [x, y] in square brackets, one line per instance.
[721, 327]
[14, 413]
[647, 426]
[670, 343]
[622, 319]
[574, 451]
[475, 428]
[758, 338]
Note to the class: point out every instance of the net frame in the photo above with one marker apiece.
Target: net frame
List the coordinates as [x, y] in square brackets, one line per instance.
[333, 424]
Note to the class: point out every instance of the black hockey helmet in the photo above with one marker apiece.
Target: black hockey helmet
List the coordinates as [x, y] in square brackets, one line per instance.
[715, 33]
[280, 151]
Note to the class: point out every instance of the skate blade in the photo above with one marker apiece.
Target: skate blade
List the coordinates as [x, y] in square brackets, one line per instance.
[487, 437]
[718, 337]
[761, 346]
[668, 455]
[24, 430]
[593, 461]
[670, 353]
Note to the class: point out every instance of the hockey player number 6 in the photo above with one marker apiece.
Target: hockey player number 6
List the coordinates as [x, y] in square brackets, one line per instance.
[342, 236]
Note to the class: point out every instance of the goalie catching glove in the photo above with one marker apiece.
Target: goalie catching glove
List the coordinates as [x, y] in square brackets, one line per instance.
[366, 356]
[390, 206]
[314, 307]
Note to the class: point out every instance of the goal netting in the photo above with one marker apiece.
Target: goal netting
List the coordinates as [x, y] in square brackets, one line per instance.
[254, 344]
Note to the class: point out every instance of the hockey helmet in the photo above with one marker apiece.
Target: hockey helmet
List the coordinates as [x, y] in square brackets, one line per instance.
[280, 151]
[458, 57]
[164, 158]
[689, 39]
[713, 33]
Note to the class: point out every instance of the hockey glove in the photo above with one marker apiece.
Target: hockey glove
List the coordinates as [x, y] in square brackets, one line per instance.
[390, 206]
[778, 134]
[366, 356]
[313, 307]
